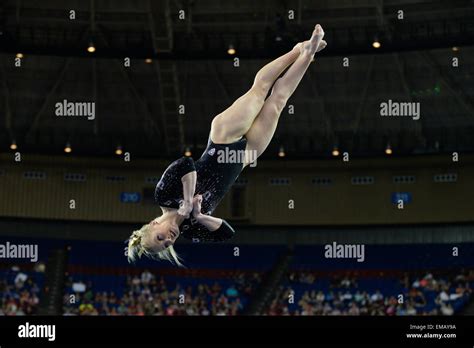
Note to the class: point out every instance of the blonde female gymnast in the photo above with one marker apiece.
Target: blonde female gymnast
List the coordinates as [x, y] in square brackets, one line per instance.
[189, 191]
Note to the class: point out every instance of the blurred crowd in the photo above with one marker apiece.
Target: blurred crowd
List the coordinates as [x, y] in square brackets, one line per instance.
[427, 294]
[19, 293]
[148, 294]
[151, 294]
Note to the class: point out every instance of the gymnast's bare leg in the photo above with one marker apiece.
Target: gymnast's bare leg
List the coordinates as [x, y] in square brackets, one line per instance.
[239, 119]
[261, 132]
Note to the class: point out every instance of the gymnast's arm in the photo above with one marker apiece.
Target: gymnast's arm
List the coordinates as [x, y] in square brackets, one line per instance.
[213, 224]
[188, 179]
[189, 185]
[218, 229]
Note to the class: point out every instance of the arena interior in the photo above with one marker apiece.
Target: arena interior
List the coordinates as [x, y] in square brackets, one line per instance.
[395, 192]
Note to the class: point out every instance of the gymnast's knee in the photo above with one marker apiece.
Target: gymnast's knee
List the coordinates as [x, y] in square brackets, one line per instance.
[279, 101]
[260, 87]
[279, 97]
[218, 129]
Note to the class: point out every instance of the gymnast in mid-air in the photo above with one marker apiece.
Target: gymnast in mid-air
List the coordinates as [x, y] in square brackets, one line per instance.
[189, 191]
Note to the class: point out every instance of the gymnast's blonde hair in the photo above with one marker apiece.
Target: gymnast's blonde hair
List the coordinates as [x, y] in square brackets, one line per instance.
[136, 249]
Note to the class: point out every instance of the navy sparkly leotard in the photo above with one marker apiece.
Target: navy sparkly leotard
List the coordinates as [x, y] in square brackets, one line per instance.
[215, 175]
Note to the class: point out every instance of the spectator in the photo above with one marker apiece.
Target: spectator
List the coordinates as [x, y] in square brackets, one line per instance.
[232, 291]
[146, 277]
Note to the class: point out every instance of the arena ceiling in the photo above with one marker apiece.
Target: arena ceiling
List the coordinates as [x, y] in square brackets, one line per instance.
[138, 107]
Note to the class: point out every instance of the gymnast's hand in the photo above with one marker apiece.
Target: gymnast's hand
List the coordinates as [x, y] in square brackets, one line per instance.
[185, 208]
[197, 201]
[210, 222]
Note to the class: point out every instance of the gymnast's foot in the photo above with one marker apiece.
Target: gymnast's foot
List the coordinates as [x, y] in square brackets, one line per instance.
[313, 45]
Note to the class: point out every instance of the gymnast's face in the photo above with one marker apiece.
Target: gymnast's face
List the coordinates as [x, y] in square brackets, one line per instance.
[162, 235]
